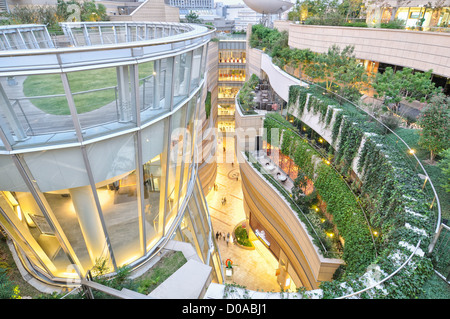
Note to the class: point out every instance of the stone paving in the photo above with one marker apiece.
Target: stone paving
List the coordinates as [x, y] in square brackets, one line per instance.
[253, 269]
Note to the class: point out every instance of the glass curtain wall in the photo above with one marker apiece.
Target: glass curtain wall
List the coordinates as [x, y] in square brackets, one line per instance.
[85, 205]
[183, 63]
[154, 157]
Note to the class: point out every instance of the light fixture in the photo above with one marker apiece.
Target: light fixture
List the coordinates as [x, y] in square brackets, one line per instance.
[412, 151]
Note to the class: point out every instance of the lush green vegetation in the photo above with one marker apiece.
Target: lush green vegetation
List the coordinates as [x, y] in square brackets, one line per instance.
[208, 104]
[332, 190]
[242, 236]
[247, 94]
[388, 189]
[50, 16]
[146, 283]
[337, 69]
[347, 13]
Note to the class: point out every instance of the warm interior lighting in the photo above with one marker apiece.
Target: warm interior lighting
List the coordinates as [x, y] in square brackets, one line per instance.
[19, 212]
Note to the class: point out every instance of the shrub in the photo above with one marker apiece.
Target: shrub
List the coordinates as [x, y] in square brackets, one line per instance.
[242, 236]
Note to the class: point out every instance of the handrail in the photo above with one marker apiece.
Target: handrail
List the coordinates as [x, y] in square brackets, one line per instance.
[132, 44]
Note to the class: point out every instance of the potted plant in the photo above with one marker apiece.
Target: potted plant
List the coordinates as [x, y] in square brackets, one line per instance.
[229, 267]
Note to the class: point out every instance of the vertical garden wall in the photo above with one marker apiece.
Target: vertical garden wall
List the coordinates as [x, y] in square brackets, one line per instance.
[398, 209]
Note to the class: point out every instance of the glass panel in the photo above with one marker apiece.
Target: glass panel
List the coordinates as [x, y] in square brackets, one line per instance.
[121, 34]
[182, 76]
[113, 164]
[155, 82]
[175, 164]
[232, 74]
[188, 145]
[26, 219]
[62, 177]
[204, 61]
[108, 35]
[104, 99]
[188, 232]
[154, 157]
[35, 110]
[196, 68]
[200, 231]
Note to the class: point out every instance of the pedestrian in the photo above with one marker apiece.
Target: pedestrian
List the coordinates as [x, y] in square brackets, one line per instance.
[217, 235]
[223, 235]
[228, 235]
[228, 240]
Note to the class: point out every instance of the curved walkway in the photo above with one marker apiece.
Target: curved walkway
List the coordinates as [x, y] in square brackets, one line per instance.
[253, 269]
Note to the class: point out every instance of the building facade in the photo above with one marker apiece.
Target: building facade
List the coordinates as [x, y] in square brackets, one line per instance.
[98, 152]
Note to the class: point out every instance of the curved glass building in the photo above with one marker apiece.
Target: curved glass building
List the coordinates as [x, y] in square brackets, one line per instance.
[97, 145]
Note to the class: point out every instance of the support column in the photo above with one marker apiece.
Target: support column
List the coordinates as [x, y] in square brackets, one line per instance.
[123, 88]
[89, 220]
[156, 84]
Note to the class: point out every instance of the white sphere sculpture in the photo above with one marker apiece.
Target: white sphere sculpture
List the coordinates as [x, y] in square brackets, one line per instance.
[268, 6]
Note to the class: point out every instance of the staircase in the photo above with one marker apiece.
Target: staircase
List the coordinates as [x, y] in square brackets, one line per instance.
[4, 6]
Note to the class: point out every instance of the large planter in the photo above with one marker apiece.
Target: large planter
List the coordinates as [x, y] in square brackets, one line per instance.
[237, 243]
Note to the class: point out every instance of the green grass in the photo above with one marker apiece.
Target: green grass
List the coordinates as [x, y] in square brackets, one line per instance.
[7, 262]
[51, 84]
[160, 272]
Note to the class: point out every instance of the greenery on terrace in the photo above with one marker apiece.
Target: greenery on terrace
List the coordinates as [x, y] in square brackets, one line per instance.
[343, 217]
[391, 87]
[247, 94]
[351, 13]
[388, 188]
[50, 15]
[399, 204]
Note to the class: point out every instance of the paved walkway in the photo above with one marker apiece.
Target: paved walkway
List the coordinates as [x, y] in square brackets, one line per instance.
[253, 269]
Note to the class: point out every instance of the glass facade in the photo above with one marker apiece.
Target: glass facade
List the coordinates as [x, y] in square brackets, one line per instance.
[97, 163]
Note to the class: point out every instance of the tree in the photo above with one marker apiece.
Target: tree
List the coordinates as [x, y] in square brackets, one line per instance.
[405, 84]
[339, 69]
[193, 17]
[88, 11]
[434, 121]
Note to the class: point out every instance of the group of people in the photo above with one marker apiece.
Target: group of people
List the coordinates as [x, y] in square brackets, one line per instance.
[228, 238]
